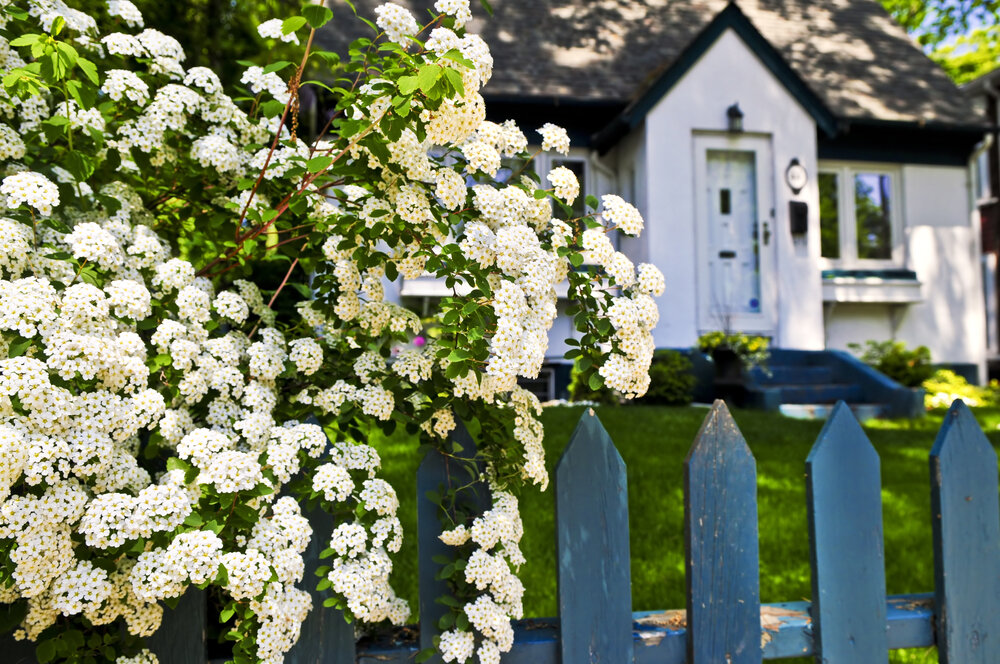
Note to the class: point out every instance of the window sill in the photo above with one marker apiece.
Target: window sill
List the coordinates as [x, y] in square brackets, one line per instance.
[871, 286]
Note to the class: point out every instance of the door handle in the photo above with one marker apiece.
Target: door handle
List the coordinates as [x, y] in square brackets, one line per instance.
[767, 234]
[727, 254]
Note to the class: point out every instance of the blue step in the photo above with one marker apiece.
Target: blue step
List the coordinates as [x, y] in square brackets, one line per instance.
[821, 393]
[821, 411]
[794, 375]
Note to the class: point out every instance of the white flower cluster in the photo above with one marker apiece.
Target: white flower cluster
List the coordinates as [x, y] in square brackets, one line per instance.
[361, 568]
[32, 189]
[272, 29]
[497, 533]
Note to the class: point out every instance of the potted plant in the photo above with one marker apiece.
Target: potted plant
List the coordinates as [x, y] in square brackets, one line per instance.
[733, 354]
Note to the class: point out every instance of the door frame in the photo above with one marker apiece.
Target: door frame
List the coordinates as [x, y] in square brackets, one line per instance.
[765, 322]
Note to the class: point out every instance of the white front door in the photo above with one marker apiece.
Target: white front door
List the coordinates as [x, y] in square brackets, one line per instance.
[735, 225]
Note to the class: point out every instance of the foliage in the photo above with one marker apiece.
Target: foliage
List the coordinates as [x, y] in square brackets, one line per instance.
[908, 367]
[671, 381]
[751, 349]
[945, 386]
[580, 390]
[963, 37]
[156, 406]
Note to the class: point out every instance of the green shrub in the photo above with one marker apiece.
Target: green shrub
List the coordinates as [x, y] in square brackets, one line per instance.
[945, 386]
[751, 349]
[671, 382]
[905, 366]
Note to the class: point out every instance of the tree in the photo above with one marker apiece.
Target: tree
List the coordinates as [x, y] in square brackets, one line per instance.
[963, 36]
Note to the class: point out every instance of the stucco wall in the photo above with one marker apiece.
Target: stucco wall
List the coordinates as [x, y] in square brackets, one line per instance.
[729, 72]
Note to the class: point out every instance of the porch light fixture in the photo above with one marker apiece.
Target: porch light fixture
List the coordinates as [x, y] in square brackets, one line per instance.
[735, 117]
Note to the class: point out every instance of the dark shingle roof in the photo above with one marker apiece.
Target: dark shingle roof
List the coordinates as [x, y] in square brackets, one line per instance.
[851, 53]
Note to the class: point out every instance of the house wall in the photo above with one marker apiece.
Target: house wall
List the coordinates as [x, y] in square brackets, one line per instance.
[729, 72]
[941, 243]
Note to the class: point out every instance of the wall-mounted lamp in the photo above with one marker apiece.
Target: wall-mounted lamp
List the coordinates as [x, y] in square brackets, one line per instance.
[735, 118]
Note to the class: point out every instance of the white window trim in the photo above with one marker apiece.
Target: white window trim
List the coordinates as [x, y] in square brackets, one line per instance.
[845, 172]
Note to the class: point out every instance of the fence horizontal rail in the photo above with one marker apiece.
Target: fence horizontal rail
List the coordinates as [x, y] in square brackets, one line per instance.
[660, 637]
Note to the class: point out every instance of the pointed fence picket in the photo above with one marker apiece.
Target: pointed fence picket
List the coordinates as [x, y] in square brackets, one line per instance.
[720, 533]
[843, 495]
[849, 620]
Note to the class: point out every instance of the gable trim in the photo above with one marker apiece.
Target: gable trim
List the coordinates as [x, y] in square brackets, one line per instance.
[729, 18]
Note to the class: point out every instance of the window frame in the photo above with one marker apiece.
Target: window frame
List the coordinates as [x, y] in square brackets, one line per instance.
[847, 214]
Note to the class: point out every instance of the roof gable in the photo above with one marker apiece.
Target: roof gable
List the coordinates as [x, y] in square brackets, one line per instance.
[731, 18]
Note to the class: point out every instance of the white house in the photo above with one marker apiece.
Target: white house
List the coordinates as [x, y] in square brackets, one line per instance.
[802, 167]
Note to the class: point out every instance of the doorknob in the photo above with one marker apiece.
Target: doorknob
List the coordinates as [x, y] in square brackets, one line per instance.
[767, 234]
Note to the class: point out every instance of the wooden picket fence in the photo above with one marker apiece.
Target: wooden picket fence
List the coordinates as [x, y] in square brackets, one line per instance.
[850, 620]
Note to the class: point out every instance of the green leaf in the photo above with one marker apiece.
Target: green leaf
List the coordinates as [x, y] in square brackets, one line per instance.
[592, 201]
[427, 76]
[45, 651]
[486, 6]
[222, 577]
[18, 348]
[25, 40]
[226, 614]
[290, 25]
[425, 655]
[317, 164]
[316, 15]
[407, 84]
[277, 66]
[456, 80]
[596, 381]
[57, 25]
[89, 69]
[576, 260]
[79, 165]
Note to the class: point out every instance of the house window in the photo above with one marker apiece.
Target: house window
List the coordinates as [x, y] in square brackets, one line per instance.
[859, 216]
[829, 215]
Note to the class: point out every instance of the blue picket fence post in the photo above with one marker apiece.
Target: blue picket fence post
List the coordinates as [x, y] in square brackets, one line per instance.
[326, 638]
[965, 517]
[592, 548]
[720, 533]
[181, 637]
[843, 489]
[437, 472]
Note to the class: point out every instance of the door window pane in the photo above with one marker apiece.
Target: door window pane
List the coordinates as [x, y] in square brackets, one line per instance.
[829, 215]
[872, 194]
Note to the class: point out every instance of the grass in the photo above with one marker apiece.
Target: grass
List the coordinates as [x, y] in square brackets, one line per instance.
[653, 442]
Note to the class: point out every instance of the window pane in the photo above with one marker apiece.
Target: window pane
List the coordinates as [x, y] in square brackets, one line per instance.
[829, 215]
[871, 206]
[579, 205]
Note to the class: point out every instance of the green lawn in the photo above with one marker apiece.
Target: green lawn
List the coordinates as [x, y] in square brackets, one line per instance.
[653, 441]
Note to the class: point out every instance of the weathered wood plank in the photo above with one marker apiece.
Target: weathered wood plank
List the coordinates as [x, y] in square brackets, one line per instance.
[595, 587]
[966, 522]
[843, 488]
[435, 473]
[720, 533]
[326, 637]
[14, 652]
[181, 637]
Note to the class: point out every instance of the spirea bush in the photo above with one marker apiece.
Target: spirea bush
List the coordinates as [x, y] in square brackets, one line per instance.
[161, 427]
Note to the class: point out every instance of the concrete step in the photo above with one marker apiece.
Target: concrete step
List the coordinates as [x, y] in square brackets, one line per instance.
[829, 393]
[794, 375]
[821, 411]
